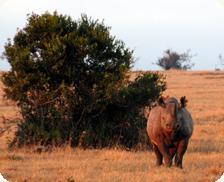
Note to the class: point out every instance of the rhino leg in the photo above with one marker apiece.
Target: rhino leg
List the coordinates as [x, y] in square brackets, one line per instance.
[165, 153]
[159, 157]
[172, 152]
[181, 149]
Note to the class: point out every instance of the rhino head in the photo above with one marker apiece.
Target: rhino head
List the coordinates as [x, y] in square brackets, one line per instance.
[171, 115]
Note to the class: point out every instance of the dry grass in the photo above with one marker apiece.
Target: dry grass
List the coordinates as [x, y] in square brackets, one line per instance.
[203, 162]
[107, 165]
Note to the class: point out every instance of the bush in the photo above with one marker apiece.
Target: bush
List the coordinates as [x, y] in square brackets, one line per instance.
[123, 122]
[174, 60]
[69, 79]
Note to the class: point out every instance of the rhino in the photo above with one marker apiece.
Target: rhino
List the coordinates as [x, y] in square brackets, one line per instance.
[169, 127]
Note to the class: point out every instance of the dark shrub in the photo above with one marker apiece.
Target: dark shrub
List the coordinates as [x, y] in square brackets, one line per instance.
[69, 79]
[174, 60]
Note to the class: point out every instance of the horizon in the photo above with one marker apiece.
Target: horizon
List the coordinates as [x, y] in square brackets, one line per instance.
[147, 27]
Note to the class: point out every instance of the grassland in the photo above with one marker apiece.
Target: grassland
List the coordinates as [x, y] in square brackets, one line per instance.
[204, 161]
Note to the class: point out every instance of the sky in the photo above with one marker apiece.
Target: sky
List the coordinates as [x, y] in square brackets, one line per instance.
[148, 27]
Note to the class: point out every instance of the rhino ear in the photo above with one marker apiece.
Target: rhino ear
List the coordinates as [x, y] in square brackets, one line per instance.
[183, 102]
[161, 102]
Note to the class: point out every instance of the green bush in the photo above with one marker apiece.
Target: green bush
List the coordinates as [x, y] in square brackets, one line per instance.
[174, 60]
[69, 79]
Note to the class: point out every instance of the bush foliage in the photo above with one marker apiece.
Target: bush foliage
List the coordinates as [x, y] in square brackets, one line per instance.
[69, 79]
[174, 60]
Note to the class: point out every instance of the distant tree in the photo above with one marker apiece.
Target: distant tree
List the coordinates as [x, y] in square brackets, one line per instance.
[221, 59]
[69, 79]
[174, 60]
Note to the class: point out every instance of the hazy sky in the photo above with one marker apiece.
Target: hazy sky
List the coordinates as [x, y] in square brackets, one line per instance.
[147, 26]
